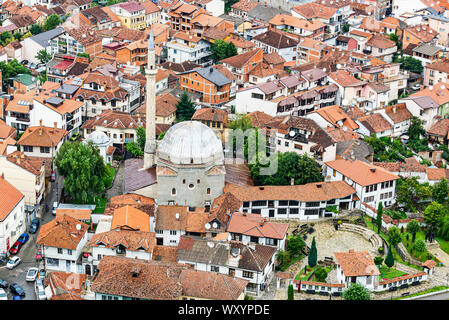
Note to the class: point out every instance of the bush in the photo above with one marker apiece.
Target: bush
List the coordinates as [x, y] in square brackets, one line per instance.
[321, 274]
[378, 261]
[312, 224]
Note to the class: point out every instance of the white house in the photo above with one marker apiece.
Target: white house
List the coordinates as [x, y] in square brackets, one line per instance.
[272, 41]
[12, 215]
[104, 144]
[250, 262]
[61, 242]
[298, 202]
[187, 47]
[372, 184]
[32, 45]
[252, 228]
[356, 267]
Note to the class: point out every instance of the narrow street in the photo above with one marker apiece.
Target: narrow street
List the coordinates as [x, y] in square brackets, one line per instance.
[28, 251]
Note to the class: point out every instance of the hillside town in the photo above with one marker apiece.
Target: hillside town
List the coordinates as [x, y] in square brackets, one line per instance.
[224, 150]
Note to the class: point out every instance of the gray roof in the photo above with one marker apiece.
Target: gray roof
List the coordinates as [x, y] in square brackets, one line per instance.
[213, 75]
[237, 20]
[67, 88]
[424, 102]
[426, 49]
[265, 13]
[438, 17]
[43, 39]
[358, 149]
[136, 178]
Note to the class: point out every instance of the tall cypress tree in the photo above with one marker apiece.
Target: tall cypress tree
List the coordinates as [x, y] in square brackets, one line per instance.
[389, 261]
[380, 212]
[312, 257]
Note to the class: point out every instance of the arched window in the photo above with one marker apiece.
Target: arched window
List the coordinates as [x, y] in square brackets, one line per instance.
[208, 191]
[173, 191]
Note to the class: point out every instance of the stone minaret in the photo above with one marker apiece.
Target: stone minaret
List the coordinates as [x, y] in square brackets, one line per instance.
[150, 73]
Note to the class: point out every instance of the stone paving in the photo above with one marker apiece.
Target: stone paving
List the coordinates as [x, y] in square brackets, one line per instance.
[328, 241]
[118, 184]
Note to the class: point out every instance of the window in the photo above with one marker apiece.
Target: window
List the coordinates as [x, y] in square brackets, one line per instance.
[214, 268]
[191, 186]
[208, 191]
[294, 210]
[27, 148]
[173, 191]
[247, 274]
[298, 146]
[59, 250]
[311, 212]
[282, 211]
[254, 239]
[69, 252]
[173, 232]
[45, 149]
[286, 143]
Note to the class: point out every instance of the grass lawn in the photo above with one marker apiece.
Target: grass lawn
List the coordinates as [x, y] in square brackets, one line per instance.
[293, 260]
[444, 245]
[421, 256]
[434, 289]
[390, 273]
[109, 176]
[100, 205]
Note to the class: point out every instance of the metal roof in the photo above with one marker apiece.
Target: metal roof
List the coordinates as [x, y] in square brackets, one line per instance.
[43, 39]
[426, 49]
[213, 75]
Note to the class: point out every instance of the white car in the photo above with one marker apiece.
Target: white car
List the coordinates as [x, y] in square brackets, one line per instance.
[3, 295]
[416, 86]
[13, 262]
[32, 274]
[40, 292]
[55, 206]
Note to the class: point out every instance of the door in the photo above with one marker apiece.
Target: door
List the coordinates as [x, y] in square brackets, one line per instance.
[271, 213]
[67, 265]
[88, 269]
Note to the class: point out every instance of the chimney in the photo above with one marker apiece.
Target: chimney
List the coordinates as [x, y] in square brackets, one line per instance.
[292, 181]
[177, 216]
[40, 122]
[3, 175]
[373, 170]
[56, 125]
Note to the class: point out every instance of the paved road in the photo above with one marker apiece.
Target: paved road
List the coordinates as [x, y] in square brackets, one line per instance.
[28, 251]
[441, 296]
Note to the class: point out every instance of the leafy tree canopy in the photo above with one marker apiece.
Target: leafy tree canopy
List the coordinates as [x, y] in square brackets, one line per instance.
[185, 108]
[434, 213]
[356, 292]
[52, 22]
[83, 169]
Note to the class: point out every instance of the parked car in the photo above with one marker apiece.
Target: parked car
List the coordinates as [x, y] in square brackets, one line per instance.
[13, 262]
[3, 295]
[416, 86]
[53, 176]
[40, 292]
[32, 274]
[17, 298]
[34, 225]
[55, 206]
[24, 238]
[16, 247]
[16, 289]
[75, 136]
[3, 284]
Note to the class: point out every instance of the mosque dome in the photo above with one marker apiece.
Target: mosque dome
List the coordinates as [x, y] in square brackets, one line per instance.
[98, 138]
[191, 142]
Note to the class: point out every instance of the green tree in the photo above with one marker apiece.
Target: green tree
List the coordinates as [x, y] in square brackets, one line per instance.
[321, 274]
[312, 257]
[412, 64]
[18, 36]
[394, 236]
[43, 56]
[410, 193]
[185, 108]
[141, 138]
[52, 22]
[413, 228]
[434, 213]
[294, 246]
[6, 37]
[309, 170]
[221, 50]
[389, 260]
[443, 231]
[291, 295]
[380, 212]
[161, 135]
[10, 70]
[345, 27]
[356, 292]
[35, 29]
[243, 122]
[134, 149]
[83, 169]
[420, 246]
[440, 191]
[282, 258]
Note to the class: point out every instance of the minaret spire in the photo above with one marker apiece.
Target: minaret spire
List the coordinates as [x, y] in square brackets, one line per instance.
[150, 73]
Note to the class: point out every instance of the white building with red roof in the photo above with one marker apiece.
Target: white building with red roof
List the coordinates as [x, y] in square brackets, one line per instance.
[12, 215]
[252, 228]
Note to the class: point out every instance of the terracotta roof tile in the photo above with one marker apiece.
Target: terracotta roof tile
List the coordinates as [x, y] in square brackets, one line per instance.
[42, 136]
[62, 233]
[10, 198]
[253, 225]
[131, 217]
[375, 123]
[132, 240]
[356, 263]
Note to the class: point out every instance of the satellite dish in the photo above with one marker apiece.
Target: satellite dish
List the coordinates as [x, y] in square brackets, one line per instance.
[210, 244]
[431, 88]
[229, 237]
[207, 225]
[443, 87]
[215, 225]
[338, 66]
[90, 258]
[324, 69]
[291, 133]
[78, 227]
